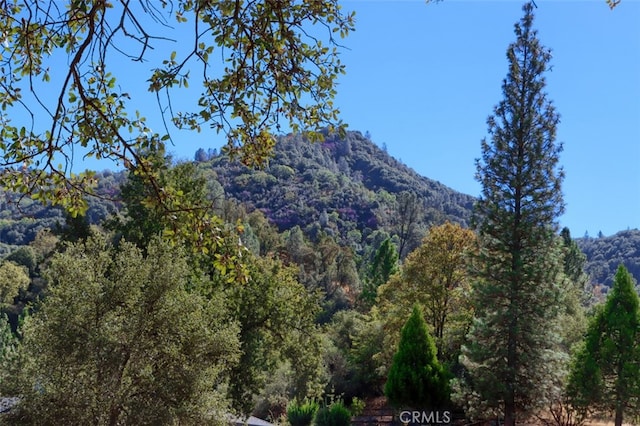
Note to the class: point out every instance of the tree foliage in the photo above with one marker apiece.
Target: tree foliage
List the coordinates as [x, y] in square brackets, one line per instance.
[256, 63]
[578, 291]
[513, 356]
[416, 378]
[605, 254]
[383, 266]
[605, 374]
[189, 219]
[8, 351]
[435, 275]
[120, 339]
[352, 341]
[276, 317]
[613, 3]
[348, 177]
[406, 219]
[13, 278]
[440, 267]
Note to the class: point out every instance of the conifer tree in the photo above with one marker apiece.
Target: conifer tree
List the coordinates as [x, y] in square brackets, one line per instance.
[513, 357]
[416, 378]
[605, 373]
[383, 266]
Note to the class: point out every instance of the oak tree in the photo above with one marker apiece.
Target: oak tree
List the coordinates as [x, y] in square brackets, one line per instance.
[435, 275]
[13, 278]
[70, 74]
[120, 340]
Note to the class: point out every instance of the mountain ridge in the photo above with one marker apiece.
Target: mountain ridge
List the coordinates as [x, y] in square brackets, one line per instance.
[345, 187]
[349, 179]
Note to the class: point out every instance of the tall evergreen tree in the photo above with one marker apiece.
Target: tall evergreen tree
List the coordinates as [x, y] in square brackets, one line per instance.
[513, 354]
[606, 370]
[578, 292]
[406, 219]
[8, 348]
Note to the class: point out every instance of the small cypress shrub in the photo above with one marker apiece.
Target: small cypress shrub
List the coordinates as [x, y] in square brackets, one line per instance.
[301, 414]
[416, 377]
[334, 415]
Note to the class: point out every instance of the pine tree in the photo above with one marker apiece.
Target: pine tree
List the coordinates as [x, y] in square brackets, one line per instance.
[383, 266]
[416, 378]
[606, 370]
[513, 357]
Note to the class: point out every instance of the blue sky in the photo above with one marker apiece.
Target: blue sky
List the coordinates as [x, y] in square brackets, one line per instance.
[422, 79]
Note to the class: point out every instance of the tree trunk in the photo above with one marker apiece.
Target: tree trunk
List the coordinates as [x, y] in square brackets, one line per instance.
[618, 421]
[509, 411]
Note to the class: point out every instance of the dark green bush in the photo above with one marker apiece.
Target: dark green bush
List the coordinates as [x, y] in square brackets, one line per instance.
[301, 414]
[334, 415]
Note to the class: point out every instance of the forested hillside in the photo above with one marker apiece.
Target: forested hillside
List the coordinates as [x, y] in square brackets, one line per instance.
[344, 185]
[21, 218]
[323, 222]
[605, 254]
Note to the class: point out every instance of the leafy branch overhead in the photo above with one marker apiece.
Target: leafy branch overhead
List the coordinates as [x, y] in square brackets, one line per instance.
[613, 3]
[65, 93]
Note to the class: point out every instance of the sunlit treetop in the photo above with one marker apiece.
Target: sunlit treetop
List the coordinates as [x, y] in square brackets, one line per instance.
[69, 71]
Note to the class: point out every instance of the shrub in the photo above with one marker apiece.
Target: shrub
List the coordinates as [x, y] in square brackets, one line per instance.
[334, 415]
[301, 414]
[416, 377]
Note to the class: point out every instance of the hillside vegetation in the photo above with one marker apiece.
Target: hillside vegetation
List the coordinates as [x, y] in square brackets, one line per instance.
[348, 186]
[322, 227]
[344, 187]
[605, 254]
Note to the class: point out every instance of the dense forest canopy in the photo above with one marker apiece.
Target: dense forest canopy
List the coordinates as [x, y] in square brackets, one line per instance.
[334, 213]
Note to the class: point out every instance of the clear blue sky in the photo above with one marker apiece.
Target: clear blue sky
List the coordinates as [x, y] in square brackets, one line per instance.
[422, 79]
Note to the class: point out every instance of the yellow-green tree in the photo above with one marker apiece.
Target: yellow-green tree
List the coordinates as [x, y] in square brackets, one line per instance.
[435, 275]
[13, 278]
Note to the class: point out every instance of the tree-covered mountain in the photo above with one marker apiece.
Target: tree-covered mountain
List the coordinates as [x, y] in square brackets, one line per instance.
[605, 254]
[349, 186]
[21, 218]
[345, 186]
